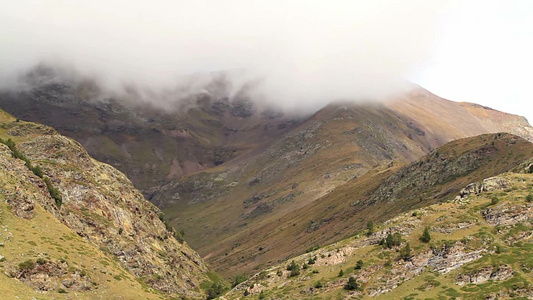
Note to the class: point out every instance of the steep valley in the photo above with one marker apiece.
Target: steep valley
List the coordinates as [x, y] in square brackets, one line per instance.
[251, 185]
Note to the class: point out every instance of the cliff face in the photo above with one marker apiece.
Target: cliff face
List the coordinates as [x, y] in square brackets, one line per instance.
[100, 205]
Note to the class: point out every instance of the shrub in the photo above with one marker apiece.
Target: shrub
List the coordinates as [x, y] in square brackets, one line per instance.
[318, 284]
[120, 230]
[27, 265]
[262, 295]
[294, 268]
[494, 201]
[41, 261]
[359, 265]
[392, 240]
[352, 285]
[238, 280]
[37, 171]
[311, 261]
[61, 291]
[529, 198]
[370, 228]
[341, 273]
[426, 237]
[405, 252]
[311, 249]
[54, 192]
[215, 290]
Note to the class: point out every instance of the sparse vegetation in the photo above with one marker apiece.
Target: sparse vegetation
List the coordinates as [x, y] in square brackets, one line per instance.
[27, 265]
[54, 192]
[238, 280]
[369, 228]
[426, 236]
[294, 268]
[529, 198]
[215, 290]
[405, 252]
[392, 240]
[359, 265]
[352, 285]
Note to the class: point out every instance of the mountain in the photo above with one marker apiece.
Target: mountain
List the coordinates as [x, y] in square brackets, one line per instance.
[73, 225]
[476, 245]
[151, 143]
[379, 194]
[238, 176]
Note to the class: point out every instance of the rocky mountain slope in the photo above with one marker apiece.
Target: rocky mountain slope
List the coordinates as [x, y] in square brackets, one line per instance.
[379, 194]
[476, 245]
[224, 169]
[72, 225]
[151, 143]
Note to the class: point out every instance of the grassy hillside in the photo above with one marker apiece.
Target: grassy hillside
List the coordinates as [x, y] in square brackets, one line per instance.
[479, 248]
[72, 225]
[224, 169]
[379, 194]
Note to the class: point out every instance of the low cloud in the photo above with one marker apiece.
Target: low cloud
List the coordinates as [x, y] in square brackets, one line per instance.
[291, 53]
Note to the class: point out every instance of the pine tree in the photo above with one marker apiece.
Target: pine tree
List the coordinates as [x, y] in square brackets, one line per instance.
[426, 237]
[359, 265]
[405, 252]
[351, 285]
[370, 228]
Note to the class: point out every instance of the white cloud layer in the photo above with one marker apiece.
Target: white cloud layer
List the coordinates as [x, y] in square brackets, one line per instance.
[307, 52]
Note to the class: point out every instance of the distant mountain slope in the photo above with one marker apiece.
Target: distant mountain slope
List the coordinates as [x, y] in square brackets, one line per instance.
[151, 143]
[379, 194]
[224, 169]
[75, 225]
[476, 247]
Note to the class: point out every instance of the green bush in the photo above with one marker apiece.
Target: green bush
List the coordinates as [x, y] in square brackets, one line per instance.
[238, 280]
[391, 240]
[215, 290]
[405, 252]
[27, 265]
[494, 201]
[529, 198]
[54, 192]
[352, 285]
[341, 273]
[37, 171]
[370, 228]
[359, 265]
[426, 237]
[294, 268]
[318, 284]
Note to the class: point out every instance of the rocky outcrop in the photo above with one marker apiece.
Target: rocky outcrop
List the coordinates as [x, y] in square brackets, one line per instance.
[487, 185]
[101, 205]
[484, 274]
[46, 275]
[508, 215]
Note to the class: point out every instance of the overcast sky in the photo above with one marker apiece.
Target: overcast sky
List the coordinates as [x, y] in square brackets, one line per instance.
[305, 52]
